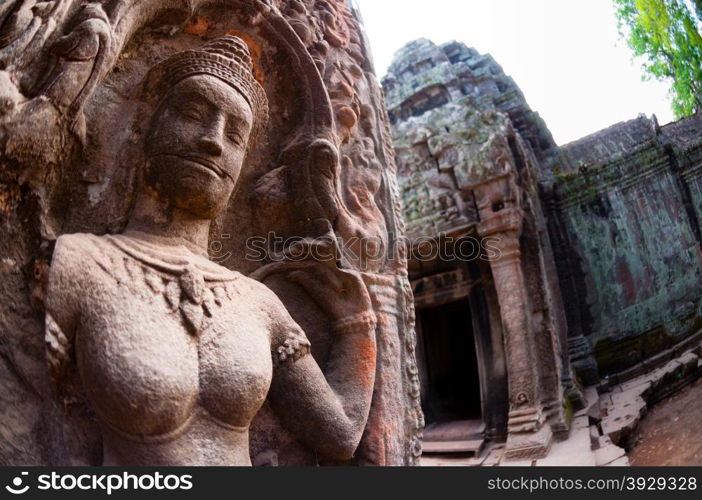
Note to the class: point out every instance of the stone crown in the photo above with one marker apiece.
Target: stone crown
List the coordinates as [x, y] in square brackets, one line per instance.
[226, 58]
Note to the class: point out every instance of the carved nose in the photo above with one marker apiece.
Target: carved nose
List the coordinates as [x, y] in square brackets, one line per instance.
[210, 145]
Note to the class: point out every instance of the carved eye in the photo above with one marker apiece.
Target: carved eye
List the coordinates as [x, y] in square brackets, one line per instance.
[234, 136]
[192, 112]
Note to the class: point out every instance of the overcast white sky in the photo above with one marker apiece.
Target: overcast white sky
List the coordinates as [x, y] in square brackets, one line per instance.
[564, 54]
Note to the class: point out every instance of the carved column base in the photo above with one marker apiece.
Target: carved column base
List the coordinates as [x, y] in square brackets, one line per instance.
[573, 392]
[529, 436]
[582, 360]
[557, 417]
[528, 445]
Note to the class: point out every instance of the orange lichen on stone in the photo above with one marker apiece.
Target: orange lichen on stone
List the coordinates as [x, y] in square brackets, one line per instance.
[197, 26]
[4, 201]
[254, 50]
[366, 355]
[8, 198]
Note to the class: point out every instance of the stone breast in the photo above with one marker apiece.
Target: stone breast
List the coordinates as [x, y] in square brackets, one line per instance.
[151, 358]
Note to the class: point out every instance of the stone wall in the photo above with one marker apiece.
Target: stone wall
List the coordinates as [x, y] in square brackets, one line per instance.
[628, 198]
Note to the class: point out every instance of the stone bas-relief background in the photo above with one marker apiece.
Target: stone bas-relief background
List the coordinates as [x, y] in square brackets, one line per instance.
[71, 133]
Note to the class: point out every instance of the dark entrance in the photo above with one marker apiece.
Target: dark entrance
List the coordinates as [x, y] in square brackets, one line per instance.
[453, 388]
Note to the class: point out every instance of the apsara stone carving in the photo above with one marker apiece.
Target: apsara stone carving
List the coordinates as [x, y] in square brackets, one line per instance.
[90, 114]
[173, 377]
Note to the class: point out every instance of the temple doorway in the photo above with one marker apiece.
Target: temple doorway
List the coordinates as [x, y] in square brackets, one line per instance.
[452, 401]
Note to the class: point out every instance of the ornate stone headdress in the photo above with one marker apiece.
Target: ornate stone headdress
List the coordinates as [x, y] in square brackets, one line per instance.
[226, 58]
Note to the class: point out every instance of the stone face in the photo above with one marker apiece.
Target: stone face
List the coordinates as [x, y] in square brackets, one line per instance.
[86, 127]
[468, 172]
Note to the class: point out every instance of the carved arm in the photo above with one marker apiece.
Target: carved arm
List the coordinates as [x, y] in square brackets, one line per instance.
[329, 410]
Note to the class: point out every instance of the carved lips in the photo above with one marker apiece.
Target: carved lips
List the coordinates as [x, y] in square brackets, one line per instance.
[199, 162]
[208, 164]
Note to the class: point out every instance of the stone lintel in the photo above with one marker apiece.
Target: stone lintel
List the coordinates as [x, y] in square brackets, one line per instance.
[507, 220]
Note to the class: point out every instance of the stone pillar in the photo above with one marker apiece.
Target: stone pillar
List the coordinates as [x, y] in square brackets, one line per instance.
[528, 436]
[577, 354]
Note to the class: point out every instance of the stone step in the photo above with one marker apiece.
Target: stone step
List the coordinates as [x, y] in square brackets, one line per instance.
[472, 446]
[456, 430]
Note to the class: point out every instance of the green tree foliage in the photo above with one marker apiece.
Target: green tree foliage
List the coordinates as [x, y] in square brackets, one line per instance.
[666, 33]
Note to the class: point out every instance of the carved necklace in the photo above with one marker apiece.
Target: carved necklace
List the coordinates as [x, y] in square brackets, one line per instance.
[191, 283]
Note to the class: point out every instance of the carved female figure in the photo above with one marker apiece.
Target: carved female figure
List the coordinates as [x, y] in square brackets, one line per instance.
[176, 354]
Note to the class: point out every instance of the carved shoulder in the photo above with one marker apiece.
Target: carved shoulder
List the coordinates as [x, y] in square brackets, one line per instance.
[76, 274]
[66, 280]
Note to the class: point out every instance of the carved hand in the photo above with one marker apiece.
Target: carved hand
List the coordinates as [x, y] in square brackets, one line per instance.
[339, 293]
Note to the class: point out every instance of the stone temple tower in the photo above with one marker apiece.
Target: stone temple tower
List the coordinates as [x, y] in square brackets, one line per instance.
[490, 321]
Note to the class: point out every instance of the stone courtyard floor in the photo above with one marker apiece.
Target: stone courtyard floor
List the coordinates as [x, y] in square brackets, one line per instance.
[624, 415]
[585, 446]
[671, 433]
